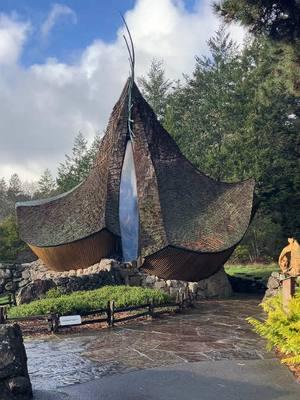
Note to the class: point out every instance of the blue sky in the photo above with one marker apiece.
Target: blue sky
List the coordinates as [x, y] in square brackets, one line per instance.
[63, 65]
[69, 36]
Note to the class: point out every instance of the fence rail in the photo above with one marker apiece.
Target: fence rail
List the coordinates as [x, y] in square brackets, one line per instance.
[151, 309]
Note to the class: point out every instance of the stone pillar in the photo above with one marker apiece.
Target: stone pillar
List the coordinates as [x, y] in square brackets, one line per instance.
[14, 379]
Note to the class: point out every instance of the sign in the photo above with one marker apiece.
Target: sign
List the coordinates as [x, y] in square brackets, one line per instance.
[70, 320]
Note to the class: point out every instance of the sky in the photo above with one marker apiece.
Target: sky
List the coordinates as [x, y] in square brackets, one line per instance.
[63, 65]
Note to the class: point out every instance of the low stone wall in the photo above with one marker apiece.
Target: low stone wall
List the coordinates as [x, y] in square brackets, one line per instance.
[14, 379]
[216, 286]
[31, 281]
[274, 284]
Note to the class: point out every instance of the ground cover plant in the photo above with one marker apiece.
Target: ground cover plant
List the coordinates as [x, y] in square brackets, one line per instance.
[4, 300]
[281, 329]
[260, 272]
[77, 302]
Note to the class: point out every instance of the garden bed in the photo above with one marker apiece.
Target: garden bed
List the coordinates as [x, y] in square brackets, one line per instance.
[82, 301]
[282, 330]
[35, 318]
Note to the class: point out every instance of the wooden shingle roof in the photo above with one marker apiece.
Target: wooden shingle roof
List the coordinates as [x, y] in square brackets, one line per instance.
[179, 206]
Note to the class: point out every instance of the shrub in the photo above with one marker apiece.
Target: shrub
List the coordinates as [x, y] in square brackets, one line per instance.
[77, 302]
[54, 293]
[282, 330]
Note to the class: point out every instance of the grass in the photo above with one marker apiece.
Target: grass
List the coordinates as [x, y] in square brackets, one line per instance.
[280, 328]
[77, 302]
[252, 271]
[4, 300]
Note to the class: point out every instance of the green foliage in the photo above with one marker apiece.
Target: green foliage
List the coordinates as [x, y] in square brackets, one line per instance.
[4, 300]
[155, 88]
[282, 330]
[262, 241]
[10, 243]
[46, 185]
[278, 21]
[234, 118]
[260, 271]
[54, 293]
[89, 300]
[77, 166]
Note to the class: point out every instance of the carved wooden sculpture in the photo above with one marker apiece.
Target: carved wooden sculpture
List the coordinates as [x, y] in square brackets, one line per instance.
[289, 259]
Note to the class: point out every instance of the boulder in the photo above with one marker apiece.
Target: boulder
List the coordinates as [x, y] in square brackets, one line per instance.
[33, 291]
[218, 285]
[14, 379]
[273, 283]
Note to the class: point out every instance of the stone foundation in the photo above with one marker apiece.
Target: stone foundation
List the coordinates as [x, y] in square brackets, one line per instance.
[31, 281]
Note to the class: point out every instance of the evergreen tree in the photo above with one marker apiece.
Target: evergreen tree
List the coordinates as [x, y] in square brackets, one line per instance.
[278, 21]
[156, 88]
[46, 185]
[77, 166]
[234, 120]
[4, 206]
[207, 108]
[10, 243]
[14, 188]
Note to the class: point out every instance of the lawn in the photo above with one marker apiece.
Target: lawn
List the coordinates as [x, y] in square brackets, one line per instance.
[252, 271]
[77, 302]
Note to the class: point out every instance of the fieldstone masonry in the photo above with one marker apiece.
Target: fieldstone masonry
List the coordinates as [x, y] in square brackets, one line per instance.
[274, 284]
[32, 280]
[14, 379]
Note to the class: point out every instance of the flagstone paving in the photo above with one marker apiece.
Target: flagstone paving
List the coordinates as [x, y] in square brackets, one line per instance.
[214, 330]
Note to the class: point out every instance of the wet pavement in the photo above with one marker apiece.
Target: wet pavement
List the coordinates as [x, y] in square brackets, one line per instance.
[212, 331]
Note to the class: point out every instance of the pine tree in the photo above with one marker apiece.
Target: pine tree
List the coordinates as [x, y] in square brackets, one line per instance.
[279, 22]
[156, 88]
[46, 185]
[207, 108]
[77, 166]
[14, 188]
[4, 207]
[235, 119]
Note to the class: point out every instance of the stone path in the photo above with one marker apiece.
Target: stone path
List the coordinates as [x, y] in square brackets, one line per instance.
[212, 331]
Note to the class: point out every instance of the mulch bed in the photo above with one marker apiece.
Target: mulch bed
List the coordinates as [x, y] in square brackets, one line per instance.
[40, 327]
[295, 369]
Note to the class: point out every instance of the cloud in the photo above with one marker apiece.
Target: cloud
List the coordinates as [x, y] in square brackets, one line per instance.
[57, 11]
[43, 106]
[12, 37]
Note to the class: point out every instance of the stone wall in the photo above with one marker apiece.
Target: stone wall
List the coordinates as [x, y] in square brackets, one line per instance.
[216, 286]
[274, 284]
[14, 379]
[31, 281]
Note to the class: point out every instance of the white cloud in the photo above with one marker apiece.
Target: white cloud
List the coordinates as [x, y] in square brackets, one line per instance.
[42, 107]
[12, 37]
[57, 11]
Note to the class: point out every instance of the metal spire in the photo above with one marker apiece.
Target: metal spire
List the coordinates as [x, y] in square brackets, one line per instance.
[131, 59]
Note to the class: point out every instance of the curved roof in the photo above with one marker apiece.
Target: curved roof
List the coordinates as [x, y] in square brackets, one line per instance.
[178, 205]
[91, 206]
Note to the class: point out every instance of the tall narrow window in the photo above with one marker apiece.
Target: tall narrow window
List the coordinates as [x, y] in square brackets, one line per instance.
[128, 209]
